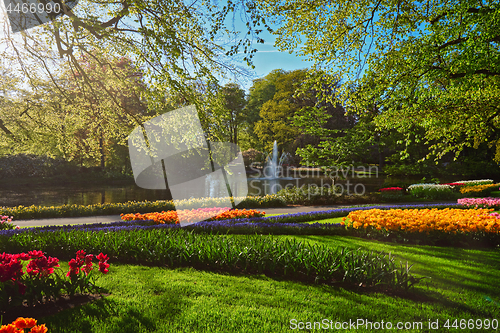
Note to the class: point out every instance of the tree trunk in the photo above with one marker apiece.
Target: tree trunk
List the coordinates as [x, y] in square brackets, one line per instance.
[101, 147]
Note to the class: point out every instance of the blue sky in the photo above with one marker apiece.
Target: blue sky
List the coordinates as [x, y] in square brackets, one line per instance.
[268, 58]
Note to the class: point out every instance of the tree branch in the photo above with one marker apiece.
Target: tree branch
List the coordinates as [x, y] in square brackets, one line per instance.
[470, 10]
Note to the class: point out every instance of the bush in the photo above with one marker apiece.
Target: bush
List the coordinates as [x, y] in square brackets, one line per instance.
[405, 170]
[480, 202]
[252, 155]
[391, 193]
[29, 165]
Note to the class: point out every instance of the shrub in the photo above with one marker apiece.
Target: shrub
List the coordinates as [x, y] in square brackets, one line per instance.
[391, 193]
[252, 155]
[432, 191]
[30, 165]
[308, 195]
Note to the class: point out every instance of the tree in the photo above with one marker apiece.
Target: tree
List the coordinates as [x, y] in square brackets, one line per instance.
[176, 42]
[292, 114]
[277, 112]
[223, 118]
[433, 64]
[87, 124]
[261, 91]
[108, 109]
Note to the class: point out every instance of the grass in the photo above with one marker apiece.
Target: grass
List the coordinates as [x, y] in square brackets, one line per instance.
[333, 220]
[155, 299]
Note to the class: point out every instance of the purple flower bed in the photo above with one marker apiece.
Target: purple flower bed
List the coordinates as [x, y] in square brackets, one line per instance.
[280, 224]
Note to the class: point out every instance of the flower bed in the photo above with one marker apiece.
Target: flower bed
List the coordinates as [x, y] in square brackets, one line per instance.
[432, 191]
[425, 220]
[20, 324]
[253, 254]
[480, 202]
[263, 223]
[391, 189]
[6, 223]
[430, 226]
[37, 212]
[475, 182]
[39, 282]
[172, 217]
[479, 189]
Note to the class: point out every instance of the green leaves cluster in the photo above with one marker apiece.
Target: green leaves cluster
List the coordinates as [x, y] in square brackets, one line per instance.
[431, 64]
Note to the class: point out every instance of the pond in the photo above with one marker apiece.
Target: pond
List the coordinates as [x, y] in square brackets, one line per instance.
[48, 195]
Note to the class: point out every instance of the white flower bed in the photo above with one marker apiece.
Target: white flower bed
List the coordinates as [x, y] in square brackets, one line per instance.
[475, 182]
[429, 187]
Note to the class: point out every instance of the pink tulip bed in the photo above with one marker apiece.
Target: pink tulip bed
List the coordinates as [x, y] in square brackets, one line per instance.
[480, 202]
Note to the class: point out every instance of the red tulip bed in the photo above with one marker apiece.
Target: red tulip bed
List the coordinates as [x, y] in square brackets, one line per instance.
[32, 278]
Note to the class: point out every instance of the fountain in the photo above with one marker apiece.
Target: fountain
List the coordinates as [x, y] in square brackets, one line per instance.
[272, 163]
[272, 180]
[274, 166]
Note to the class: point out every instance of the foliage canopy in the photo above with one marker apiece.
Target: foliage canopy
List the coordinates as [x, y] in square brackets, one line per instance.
[431, 63]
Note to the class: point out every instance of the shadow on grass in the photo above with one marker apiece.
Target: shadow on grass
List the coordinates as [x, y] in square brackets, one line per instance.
[474, 269]
[113, 314]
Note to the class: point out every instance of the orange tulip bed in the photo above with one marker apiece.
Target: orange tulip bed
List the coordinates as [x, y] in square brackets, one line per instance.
[427, 225]
[210, 214]
[21, 325]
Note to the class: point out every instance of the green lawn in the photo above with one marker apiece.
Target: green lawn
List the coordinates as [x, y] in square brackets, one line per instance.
[155, 299]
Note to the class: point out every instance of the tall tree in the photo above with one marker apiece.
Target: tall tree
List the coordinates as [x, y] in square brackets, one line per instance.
[277, 112]
[261, 91]
[109, 107]
[81, 122]
[176, 42]
[223, 115]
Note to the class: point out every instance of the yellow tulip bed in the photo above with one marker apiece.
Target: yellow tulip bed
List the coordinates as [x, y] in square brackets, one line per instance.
[427, 224]
[477, 188]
